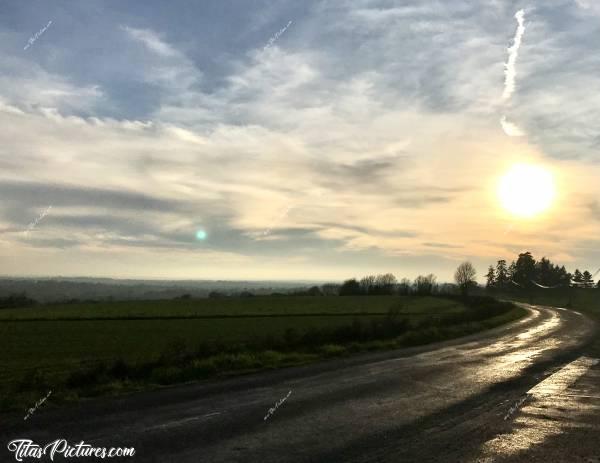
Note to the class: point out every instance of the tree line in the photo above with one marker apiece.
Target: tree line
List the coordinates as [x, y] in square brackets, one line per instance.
[16, 300]
[526, 272]
[370, 285]
[386, 284]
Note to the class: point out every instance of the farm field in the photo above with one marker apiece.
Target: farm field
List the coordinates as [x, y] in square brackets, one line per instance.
[156, 342]
[225, 307]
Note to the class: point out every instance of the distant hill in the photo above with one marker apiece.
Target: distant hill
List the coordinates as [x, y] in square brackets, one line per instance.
[62, 289]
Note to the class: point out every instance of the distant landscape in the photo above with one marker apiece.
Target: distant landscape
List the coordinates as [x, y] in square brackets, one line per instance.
[86, 337]
[83, 349]
[62, 289]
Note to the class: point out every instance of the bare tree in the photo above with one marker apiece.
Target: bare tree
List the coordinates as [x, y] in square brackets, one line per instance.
[465, 277]
[367, 284]
[385, 283]
[404, 286]
[425, 285]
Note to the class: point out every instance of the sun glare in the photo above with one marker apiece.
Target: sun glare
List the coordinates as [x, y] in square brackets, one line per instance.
[526, 190]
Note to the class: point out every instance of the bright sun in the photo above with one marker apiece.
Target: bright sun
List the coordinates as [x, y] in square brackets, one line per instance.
[526, 190]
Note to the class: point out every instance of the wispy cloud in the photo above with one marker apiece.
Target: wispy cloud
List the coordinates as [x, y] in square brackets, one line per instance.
[513, 52]
[510, 129]
[510, 72]
[165, 66]
[151, 40]
[589, 6]
[178, 121]
[585, 4]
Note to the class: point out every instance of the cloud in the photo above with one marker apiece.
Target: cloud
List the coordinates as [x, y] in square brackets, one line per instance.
[510, 129]
[35, 88]
[442, 245]
[151, 40]
[513, 52]
[166, 67]
[375, 122]
[589, 6]
[370, 231]
[32, 193]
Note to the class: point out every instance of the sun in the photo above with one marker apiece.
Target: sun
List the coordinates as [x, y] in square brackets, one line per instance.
[526, 190]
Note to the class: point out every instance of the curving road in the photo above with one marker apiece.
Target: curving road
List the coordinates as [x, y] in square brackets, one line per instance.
[523, 392]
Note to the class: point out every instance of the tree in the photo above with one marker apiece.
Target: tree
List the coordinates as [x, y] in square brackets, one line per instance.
[314, 291]
[563, 277]
[525, 269]
[588, 281]
[526, 272]
[424, 284]
[465, 277]
[577, 278]
[404, 287]
[491, 278]
[502, 277]
[367, 284]
[350, 288]
[385, 283]
[330, 289]
[512, 270]
[448, 289]
[16, 300]
[545, 272]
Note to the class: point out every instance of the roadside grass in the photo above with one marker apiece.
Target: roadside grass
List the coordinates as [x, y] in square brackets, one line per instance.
[87, 358]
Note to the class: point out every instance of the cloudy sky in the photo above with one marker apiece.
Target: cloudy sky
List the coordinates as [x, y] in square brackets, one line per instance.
[261, 139]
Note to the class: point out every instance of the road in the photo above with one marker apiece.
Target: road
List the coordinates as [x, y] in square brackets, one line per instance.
[523, 392]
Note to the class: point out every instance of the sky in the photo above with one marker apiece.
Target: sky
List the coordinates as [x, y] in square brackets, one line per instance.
[315, 140]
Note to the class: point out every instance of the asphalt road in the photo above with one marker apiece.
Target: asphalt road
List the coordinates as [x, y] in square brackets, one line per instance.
[523, 392]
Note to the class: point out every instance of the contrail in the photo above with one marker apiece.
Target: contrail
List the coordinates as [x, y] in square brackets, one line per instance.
[510, 129]
[513, 52]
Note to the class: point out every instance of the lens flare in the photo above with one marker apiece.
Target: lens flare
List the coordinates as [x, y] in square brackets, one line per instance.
[201, 235]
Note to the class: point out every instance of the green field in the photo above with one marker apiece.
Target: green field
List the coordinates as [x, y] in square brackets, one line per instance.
[250, 306]
[97, 348]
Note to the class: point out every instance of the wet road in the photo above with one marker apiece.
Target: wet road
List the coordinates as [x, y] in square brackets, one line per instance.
[524, 392]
